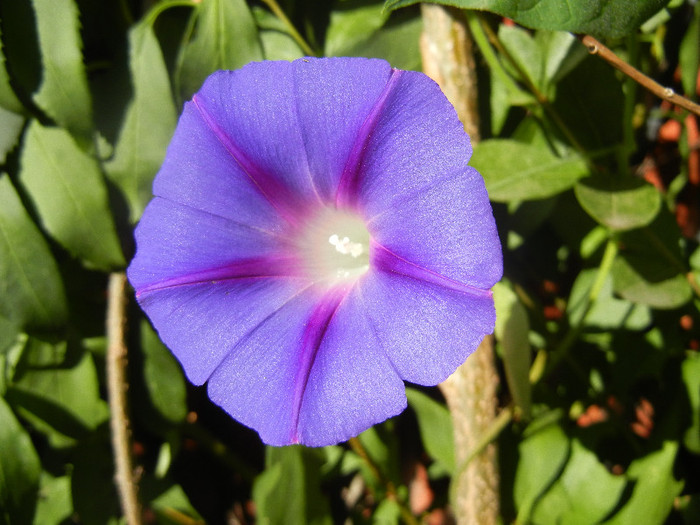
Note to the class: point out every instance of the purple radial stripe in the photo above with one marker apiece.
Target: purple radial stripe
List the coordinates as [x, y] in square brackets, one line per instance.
[314, 332]
[280, 197]
[346, 196]
[387, 261]
[255, 268]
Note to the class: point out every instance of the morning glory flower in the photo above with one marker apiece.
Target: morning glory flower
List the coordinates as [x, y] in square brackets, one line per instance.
[316, 239]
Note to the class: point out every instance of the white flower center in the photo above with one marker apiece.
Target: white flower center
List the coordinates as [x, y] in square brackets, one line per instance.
[334, 247]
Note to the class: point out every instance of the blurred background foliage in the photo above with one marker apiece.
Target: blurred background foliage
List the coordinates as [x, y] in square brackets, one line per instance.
[595, 185]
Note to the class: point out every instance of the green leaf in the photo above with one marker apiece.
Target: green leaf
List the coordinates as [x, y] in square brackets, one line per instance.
[516, 171]
[619, 204]
[8, 99]
[149, 122]
[31, 291]
[351, 23]
[19, 471]
[70, 195]
[654, 488]
[603, 18]
[542, 458]
[584, 493]
[10, 129]
[163, 377]
[288, 490]
[225, 38]
[64, 93]
[512, 329]
[276, 42]
[63, 398]
[608, 312]
[691, 378]
[55, 500]
[689, 55]
[650, 269]
[435, 425]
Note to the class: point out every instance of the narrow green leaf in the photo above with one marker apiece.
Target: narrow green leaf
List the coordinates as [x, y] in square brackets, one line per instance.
[225, 38]
[31, 291]
[604, 18]
[8, 99]
[689, 55]
[163, 377]
[654, 488]
[70, 195]
[63, 93]
[619, 204]
[19, 471]
[691, 378]
[542, 457]
[512, 329]
[435, 425]
[524, 51]
[276, 43]
[537, 173]
[584, 493]
[149, 122]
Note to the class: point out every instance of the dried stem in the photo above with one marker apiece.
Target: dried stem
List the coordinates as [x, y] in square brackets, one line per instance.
[447, 52]
[666, 93]
[117, 388]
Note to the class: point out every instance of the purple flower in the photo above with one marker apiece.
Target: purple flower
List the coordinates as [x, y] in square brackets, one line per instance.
[316, 238]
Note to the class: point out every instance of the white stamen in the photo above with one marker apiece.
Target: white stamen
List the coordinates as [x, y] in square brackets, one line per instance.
[345, 246]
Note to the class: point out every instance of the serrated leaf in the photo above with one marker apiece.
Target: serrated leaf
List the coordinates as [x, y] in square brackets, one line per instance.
[603, 18]
[70, 195]
[619, 204]
[654, 488]
[31, 291]
[516, 171]
[8, 99]
[512, 329]
[149, 122]
[226, 38]
[288, 491]
[64, 93]
[542, 457]
[584, 493]
[19, 471]
[435, 425]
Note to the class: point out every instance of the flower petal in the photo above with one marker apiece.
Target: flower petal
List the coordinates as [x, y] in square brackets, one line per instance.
[447, 228]
[430, 328]
[334, 98]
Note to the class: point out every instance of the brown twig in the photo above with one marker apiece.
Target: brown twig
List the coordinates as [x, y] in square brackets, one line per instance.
[596, 48]
[117, 387]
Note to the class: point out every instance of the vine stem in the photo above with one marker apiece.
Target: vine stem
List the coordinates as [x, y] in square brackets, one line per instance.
[596, 48]
[279, 13]
[447, 52]
[117, 388]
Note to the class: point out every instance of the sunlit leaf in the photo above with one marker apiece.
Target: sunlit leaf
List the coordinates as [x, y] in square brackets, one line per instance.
[55, 500]
[63, 93]
[512, 328]
[654, 487]
[19, 471]
[225, 38]
[69, 193]
[435, 425]
[31, 291]
[605, 18]
[10, 128]
[584, 493]
[149, 123]
[691, 378]
[8, 99]
[516, 171]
